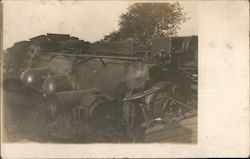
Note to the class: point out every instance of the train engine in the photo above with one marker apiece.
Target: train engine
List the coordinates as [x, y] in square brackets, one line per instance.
[128, 92]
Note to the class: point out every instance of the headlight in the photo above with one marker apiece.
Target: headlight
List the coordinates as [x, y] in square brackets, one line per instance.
[29, 79]
[26, 77]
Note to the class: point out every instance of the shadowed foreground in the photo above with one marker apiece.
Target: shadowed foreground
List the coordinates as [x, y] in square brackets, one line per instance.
[26, 120]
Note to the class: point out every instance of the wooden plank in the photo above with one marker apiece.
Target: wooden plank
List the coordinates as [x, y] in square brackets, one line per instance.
[183, 122]
[184, 131]
[189, 120]
[164, 135]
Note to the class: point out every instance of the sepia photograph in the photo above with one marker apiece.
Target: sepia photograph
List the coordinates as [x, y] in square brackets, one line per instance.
[112, 72]
[137, 83]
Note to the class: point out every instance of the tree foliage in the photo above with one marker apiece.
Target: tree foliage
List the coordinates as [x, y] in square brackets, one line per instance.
[144, 21]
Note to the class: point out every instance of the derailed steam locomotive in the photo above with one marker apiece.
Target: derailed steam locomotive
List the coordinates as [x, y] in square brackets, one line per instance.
[110, 85]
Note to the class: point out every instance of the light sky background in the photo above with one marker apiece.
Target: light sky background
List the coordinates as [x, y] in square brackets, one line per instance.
[88, 20]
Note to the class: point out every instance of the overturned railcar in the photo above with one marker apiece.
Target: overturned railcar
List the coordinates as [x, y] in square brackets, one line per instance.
[126, 90]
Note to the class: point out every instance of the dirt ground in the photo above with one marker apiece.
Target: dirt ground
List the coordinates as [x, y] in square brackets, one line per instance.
[26, 119]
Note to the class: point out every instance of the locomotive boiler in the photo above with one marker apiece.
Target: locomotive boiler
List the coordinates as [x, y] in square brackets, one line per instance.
[129, 90]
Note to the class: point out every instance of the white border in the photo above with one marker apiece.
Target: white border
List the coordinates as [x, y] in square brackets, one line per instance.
[223, 118]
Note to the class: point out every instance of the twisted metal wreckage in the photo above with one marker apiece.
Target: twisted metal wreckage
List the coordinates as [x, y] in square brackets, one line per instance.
[140, 92]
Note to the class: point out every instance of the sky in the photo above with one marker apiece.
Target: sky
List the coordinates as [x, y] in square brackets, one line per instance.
[88, 20]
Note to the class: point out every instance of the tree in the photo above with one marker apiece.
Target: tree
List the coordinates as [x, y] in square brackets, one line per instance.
[144, 21]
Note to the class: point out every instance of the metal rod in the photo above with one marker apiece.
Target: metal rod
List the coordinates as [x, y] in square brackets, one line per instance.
[119, 57]
[183, 104]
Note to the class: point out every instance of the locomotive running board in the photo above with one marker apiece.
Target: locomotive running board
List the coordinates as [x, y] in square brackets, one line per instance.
[73, 96]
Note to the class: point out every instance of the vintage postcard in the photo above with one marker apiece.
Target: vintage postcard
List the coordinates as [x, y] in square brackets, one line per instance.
[124, 79]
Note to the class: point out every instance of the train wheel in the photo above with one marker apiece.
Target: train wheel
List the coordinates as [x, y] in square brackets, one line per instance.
[158, 100]
[101, 113]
